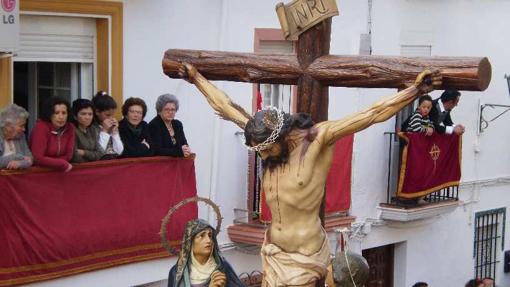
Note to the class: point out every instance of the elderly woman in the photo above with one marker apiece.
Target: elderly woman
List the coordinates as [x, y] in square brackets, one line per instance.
[200, 263]
[87, 146]
[134, 131]
[14, 151]
[52, 138]
[167, 133]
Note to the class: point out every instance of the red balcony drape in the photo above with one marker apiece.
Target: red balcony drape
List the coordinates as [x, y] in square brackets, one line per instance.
[100, 214]
[428, 163]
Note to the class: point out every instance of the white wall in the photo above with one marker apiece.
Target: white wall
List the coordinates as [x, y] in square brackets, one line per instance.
[144, 272]
[475, 28]
[438, 251]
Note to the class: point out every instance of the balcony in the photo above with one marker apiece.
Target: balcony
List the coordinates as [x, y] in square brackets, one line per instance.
[98, 215]
[439, 201]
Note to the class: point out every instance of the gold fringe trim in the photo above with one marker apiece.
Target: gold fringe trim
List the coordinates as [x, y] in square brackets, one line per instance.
[77, 270]
[84, 258]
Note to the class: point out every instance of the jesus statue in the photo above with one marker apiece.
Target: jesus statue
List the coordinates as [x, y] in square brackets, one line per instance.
[297, 155]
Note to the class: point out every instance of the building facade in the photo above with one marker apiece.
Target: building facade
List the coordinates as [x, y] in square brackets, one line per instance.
[122, 45]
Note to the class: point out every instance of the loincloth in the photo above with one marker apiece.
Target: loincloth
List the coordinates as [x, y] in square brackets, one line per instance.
[291, 268]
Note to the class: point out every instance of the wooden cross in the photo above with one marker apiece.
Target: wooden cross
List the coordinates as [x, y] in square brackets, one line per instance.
[313, 70]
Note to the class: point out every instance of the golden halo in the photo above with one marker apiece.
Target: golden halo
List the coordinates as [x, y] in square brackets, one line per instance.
[166, 219]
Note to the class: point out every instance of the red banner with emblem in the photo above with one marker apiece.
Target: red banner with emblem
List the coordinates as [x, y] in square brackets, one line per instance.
[99, 215]
[338, 183]
[428, 163]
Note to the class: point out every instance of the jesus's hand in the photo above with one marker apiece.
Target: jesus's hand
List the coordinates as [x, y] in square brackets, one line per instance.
[187, 72]
[428, 80]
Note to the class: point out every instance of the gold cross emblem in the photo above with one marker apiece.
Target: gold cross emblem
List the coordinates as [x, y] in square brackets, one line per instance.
[435, 152]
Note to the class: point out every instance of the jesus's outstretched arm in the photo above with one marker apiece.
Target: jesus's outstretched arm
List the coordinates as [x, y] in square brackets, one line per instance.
[218, 100]
[331, 131]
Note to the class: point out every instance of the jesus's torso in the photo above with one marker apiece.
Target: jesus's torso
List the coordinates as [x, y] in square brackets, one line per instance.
[294, 192]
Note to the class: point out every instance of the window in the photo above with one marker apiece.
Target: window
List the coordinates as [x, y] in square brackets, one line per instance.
[56, 58]
[63, 31]
[411, 51]
[267, 41]
[35, 82]
[488, 241]
[275, 95]
[400, 117]
[416, 50]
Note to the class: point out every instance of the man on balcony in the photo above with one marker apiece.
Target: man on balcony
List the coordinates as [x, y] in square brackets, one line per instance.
[440, 113]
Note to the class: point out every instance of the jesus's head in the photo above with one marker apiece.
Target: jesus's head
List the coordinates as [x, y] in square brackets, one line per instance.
[266, 133]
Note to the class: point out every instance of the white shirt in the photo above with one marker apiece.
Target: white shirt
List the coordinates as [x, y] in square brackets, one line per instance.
[9, 148]
[449, 129]
[117, 145]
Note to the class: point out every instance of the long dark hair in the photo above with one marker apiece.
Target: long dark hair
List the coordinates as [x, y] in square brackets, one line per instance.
[48, 108]
[257, 131]
[79, 105]
[103, 102]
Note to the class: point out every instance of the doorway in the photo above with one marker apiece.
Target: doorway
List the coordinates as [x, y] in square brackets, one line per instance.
[380, 260]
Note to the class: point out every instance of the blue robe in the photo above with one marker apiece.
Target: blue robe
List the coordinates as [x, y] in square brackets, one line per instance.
[179, 274]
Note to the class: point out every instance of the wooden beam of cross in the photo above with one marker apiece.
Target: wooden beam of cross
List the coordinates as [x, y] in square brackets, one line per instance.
[313, 70]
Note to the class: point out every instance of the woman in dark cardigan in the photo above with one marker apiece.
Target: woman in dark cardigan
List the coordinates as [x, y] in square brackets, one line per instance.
[86, 147]
[167, 133]
[134, 131]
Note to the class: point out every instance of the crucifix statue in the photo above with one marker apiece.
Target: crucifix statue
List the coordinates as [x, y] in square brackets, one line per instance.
[297, 149]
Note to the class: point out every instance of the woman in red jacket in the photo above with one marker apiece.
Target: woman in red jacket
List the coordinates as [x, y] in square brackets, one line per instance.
[52, 138]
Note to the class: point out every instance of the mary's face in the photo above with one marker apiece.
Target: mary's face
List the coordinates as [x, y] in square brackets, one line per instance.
[203, 243]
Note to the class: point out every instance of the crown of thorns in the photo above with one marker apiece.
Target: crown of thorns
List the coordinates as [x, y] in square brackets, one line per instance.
[273, 121]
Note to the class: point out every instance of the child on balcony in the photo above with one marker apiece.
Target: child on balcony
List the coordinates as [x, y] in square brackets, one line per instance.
[109, 137]
[419, 121]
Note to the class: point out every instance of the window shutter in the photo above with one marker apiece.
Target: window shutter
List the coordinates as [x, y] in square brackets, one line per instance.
[276, 47]
[56, 39]
[415, 50]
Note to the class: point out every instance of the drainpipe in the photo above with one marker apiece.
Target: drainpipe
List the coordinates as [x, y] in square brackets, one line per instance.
[215, 148]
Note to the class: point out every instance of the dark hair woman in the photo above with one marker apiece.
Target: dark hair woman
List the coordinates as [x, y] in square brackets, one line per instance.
[52, 138]
[134, 131]
[87, 146]
[109, 137]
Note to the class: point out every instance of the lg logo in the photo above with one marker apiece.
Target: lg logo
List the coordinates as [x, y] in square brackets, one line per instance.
[8, 5]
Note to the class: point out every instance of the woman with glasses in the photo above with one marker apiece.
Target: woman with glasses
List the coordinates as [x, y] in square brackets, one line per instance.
[134, 131]
[167, 133]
